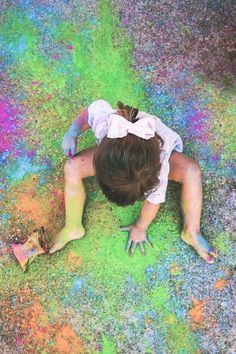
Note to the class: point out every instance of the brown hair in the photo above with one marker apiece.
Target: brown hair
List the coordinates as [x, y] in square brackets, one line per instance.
[127, 168]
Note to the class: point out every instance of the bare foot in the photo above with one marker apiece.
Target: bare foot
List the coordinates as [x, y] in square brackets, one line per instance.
[65, 235]
[200, 244]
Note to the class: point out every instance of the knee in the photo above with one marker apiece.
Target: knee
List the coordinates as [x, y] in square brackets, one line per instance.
[72, 168]
[193, 170]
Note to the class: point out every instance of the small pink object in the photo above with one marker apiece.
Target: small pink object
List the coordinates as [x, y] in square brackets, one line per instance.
[34, 82]
[56, 56]
[49, 97]
[215, 158]
[70, 46]
[19, 340]
[31, 153]
[98, 347]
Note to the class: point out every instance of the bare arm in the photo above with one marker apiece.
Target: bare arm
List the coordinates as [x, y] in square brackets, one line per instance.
[148, 213]
[79, 125]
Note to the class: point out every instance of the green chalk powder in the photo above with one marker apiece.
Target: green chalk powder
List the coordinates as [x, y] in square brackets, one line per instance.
[108, 346]
[100, 67]
[179, 338]
[222, 242]
[104, 70]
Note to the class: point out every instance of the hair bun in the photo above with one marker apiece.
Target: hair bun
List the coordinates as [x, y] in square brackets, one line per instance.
[130, 113]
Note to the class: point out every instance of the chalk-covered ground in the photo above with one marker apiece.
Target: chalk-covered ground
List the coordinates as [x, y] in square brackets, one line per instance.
[174, 59]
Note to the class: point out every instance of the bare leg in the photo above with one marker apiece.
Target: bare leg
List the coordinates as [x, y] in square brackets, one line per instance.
[76, 168]
[187, 171]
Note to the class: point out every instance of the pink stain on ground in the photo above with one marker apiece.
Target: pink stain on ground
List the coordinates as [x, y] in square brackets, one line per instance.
[56, 56]
[70, 46]
[31, 153]
[57, 200]
[162, 72]
[216, 156]
[198, 127]
[59, 195]
[9, 126]
[19, 340]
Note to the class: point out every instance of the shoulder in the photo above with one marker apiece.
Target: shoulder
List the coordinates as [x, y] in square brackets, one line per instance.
[99, 106]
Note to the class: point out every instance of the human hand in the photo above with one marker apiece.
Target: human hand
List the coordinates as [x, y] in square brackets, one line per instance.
[137, 236]
[69, 145]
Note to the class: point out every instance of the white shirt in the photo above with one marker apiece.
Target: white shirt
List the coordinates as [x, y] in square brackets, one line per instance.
[98, 116]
